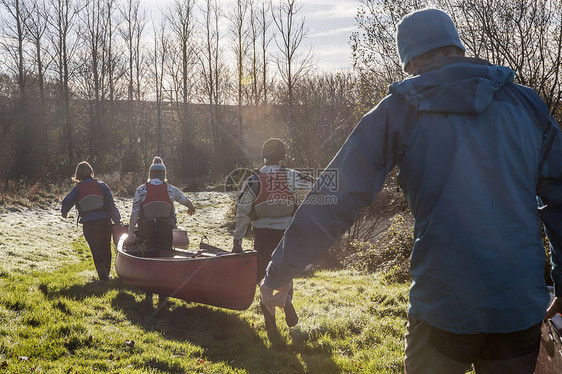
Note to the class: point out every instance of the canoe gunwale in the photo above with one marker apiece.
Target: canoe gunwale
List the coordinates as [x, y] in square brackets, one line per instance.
[188, 256]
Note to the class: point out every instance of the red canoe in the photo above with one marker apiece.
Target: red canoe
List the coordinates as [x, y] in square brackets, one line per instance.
[226, 280]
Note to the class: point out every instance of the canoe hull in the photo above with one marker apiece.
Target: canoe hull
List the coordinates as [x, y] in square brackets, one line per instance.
[226, 281]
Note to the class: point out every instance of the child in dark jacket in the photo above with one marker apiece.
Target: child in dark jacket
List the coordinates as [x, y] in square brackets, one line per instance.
[96, 209]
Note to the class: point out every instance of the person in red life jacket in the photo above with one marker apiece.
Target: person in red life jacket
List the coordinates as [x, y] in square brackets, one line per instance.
[267, 201]
[96, 208]
[153, 208]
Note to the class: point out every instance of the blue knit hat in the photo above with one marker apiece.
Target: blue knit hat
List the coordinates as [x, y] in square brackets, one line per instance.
[423, 30]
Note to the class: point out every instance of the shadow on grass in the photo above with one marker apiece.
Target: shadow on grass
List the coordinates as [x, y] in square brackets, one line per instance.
[95, 288]
[223, 335]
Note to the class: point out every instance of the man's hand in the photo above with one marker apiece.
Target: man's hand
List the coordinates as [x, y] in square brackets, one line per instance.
[237, 246]
[554, 307]
[191, 210]
[64, 215]
[271, 299]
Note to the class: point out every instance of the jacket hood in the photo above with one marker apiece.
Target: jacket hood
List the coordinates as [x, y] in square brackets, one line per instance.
[453, 85]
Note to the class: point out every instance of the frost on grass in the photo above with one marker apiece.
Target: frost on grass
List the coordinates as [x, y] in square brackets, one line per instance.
[40, 239]
[36, 239]
[208, 220]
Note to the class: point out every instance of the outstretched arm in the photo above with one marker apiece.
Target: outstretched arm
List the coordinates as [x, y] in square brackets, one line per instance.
[243, 210]
[182, 199]
[190, 207]
[69, 201]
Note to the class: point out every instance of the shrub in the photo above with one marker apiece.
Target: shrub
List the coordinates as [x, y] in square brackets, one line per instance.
[123, 184]
[369, 226]
[390, 254]
[27, 194]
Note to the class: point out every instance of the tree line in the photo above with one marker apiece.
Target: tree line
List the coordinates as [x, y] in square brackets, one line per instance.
[198, 84]
[203, 86]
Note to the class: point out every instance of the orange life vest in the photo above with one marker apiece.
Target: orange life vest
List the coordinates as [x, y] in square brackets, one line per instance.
[157, 203]
[90, 197]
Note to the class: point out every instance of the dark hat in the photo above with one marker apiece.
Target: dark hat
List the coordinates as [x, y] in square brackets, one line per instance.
[274, 149]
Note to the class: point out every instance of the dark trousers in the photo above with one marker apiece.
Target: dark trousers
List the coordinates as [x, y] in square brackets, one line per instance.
[433, 351]
[265, 242]
[98, 236]
[158, 232]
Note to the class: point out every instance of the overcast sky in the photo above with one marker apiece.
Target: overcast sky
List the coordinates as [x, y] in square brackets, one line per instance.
[330, 23]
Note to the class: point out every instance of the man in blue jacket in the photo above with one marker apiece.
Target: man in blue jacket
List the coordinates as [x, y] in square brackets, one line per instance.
[474, 151]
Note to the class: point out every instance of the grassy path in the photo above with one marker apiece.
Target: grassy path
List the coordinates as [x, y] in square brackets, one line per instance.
[55, 317]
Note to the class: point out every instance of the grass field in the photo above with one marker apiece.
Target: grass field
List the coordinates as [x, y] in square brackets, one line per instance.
[55, 317]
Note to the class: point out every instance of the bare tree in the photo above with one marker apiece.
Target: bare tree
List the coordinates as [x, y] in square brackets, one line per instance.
[183, 26]
[110, 55]
[253, 40]
[374, 48]
[22, 121]
[292, 63]
[132, 29]
[65, 42]
[210, 64]
[13, 40]
[95, 19]
[265, 20]
[36, 24]
[158, 62]
[327, 114]
[240, 46]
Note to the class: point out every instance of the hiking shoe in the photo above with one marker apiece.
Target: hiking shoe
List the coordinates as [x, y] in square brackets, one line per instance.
[290, 315]
[268, 318]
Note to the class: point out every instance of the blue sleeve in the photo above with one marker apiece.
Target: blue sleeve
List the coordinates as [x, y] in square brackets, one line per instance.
[113, 211]
[351, 181]
[549, 189]
[69, 201]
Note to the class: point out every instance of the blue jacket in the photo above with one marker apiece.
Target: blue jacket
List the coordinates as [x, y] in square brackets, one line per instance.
[473, 150]
[72, 198]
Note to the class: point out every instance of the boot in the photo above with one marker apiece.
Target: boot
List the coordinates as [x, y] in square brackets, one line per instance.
[290, 314]
[270, 324]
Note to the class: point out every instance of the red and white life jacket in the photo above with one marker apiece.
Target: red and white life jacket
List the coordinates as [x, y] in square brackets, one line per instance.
[274, 198]
[90, 197]
[157, 203]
